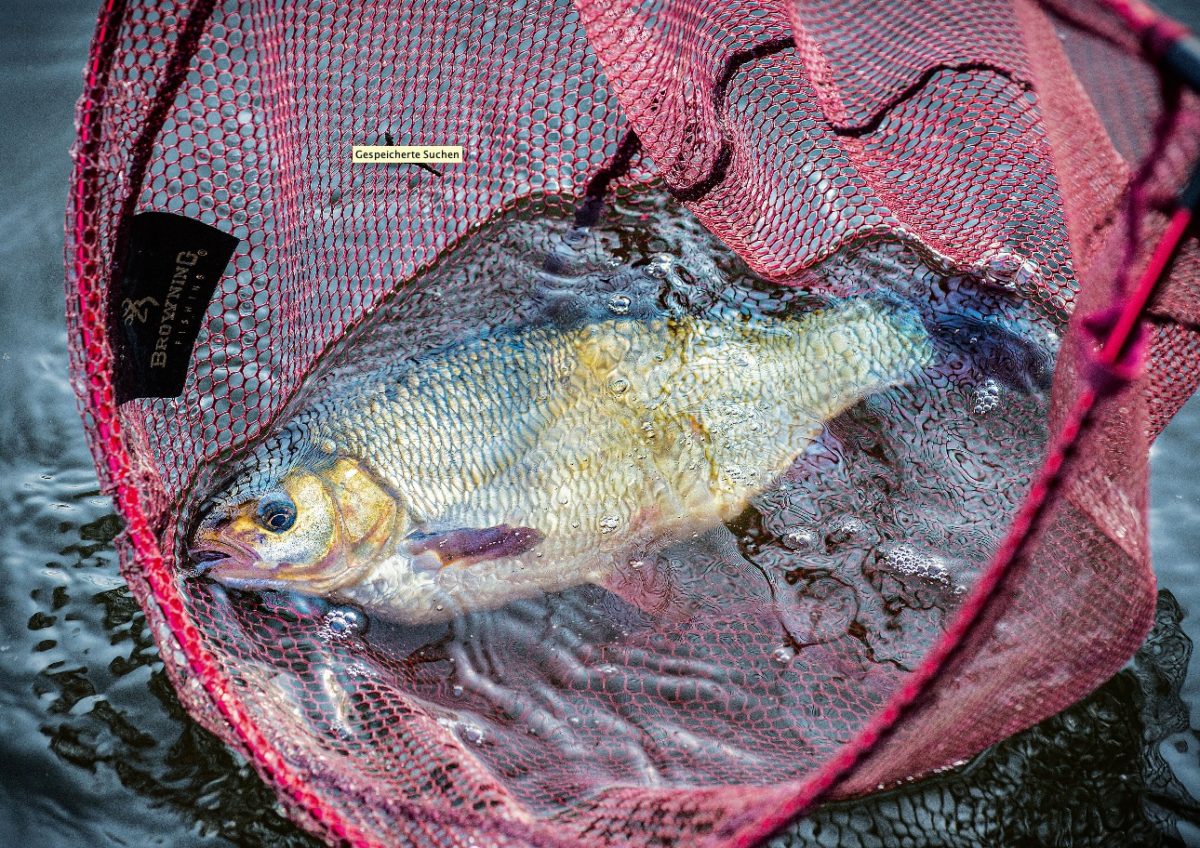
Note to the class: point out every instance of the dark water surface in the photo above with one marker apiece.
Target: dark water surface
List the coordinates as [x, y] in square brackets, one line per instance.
[97, 751]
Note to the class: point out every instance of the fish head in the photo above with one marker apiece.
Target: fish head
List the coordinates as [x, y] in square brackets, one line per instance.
[309, 526]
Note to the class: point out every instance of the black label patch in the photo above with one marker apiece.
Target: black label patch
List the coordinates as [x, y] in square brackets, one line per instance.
[172, 267]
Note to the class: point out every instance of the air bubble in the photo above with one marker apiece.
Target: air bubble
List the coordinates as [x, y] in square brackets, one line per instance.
[618, 385]
[843, 529]
[618, 304]
[783, 654]
[1027, 275]
[905, 559]
[609, 523]
[987, 397]
[346, 621]
[660, 265]
[799, 539]
[1010, 271]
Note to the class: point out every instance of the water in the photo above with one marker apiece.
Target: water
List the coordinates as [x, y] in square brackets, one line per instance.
[652, 681]
[97, 750]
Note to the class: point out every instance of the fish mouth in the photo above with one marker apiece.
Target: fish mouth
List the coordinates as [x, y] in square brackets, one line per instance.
[235, 575]
[211, 548]
[238, 566]
[238, 574]
[230, 563]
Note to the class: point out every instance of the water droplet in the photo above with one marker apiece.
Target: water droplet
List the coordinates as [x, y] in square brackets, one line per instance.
[1002, 266]
[609, 523]
[619, 303]
[1027, 275]
[783, 654]
[440, 607]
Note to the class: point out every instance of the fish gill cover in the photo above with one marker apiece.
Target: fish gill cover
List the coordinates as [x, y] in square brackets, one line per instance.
[949, 162]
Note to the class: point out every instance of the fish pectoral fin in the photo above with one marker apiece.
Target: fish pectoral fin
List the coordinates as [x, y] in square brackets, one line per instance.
[468, 545]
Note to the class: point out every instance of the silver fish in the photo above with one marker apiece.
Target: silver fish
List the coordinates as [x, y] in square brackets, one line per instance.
[525, 462]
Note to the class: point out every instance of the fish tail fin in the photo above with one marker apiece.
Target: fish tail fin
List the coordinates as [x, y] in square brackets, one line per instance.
[995, 350]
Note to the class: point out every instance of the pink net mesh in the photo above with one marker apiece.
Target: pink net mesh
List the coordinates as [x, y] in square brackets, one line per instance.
[999, 138]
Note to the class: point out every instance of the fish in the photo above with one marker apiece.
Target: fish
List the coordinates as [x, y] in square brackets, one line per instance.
[520, 462]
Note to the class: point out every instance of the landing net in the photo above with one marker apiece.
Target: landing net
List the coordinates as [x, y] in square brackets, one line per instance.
[1036, 149]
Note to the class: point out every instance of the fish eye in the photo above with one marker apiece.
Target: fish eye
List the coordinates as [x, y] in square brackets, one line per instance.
[277, 513]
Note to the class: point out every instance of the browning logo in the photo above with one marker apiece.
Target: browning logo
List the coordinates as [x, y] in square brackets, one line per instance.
[172, 267]
[185, 260]
[136, 310]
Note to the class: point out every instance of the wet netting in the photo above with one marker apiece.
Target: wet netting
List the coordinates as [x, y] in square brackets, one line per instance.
[1012, 167]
